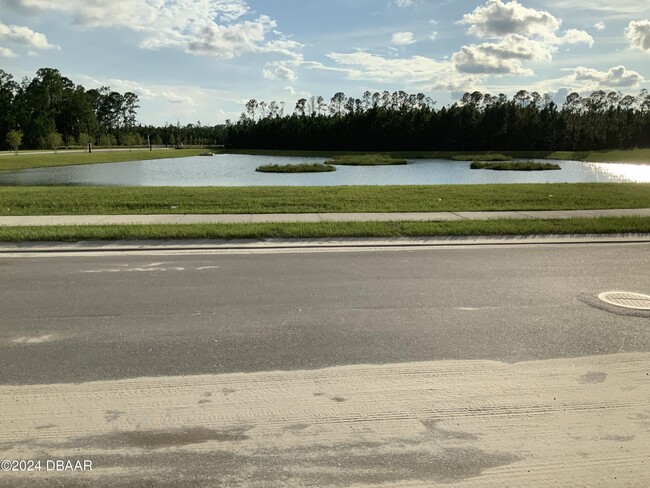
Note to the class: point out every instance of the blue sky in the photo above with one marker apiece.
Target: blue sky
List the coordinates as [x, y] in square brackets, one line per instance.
[191, 60]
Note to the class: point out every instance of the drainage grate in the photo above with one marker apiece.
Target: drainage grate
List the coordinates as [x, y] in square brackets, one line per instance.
[627, 300]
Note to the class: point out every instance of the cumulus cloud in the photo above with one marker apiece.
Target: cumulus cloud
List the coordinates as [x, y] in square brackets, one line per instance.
[230, 41]
[402, 39]
[5, 52]
[519, 34]
[496, 19]
[25, 36]
[178, 99]
[496, 59]
[574, 36]
[638, 34]
[201, 27]
[404, 3]
[617, 77]
[279, 72]
[600, 25]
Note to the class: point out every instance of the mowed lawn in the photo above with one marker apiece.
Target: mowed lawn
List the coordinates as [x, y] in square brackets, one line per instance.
[63, 158]
[263, 200]
[605, 225]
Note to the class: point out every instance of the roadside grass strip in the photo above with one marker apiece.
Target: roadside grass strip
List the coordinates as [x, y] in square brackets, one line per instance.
[56, 200]
[601, 225]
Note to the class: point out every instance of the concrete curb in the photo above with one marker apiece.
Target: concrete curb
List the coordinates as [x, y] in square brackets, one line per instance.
[350, 243]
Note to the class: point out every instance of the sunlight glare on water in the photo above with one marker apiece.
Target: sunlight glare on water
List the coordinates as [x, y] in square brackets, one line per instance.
[632, 173]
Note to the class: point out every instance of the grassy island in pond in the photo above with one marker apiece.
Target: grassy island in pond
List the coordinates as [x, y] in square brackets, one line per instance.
[366, 160]
[482, 157]
[296, 168]
[517, 166]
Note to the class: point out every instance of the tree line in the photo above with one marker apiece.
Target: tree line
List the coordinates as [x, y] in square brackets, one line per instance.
[51, 111]
[478, 121]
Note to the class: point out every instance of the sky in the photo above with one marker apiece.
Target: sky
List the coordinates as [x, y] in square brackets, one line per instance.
[201, 60]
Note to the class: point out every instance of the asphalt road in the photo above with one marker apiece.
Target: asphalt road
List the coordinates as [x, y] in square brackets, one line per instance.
[79, 319]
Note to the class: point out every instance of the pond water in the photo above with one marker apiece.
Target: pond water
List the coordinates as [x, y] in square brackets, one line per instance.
[239, 170]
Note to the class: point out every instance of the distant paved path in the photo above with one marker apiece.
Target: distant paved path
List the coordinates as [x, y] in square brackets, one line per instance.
[310, 217]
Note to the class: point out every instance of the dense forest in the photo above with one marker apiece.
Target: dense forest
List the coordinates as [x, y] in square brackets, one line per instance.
[50, 111]
[401, 121]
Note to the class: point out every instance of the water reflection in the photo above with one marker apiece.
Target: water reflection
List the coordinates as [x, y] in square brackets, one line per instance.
[239, 170]
[629, 173]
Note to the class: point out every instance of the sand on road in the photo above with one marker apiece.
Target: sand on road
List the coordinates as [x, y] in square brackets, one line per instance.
[561, 422]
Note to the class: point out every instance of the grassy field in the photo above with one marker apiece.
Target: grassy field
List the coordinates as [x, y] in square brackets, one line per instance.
[516, 166]
[296, 168]
[27, 161]
[225, 200]
[623, 156]
[619, 225]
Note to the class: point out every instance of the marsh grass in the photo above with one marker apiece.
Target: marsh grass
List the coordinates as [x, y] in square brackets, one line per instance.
[481, 157]
[366, 160]
[515, 166]
[296, 168]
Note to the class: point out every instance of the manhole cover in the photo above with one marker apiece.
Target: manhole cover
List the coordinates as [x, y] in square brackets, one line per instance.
[627, 300]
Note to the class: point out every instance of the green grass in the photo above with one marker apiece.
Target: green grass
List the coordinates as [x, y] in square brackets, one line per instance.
[481, 157]
[366, 160]
[296, 168]
[624, 156]
[232, 200]
[517, 166]
[28, 161]
[607, 225]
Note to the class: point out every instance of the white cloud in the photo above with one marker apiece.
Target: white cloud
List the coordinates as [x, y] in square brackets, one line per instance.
[600, 25]
[173, 97]
[607, 8]
[279, 72]
[638, 34]
[367, 66]
[230, 41]
[574, 36]
[25, 36]
[496, 59]
[5, 52]
[402, 39]
[433, 36]
[496, 19]
[404, 3]
[202, 27]
[519, 33]
[617, 77]
[418, 72]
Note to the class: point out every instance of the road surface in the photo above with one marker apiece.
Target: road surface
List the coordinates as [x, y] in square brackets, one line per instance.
[480, 366]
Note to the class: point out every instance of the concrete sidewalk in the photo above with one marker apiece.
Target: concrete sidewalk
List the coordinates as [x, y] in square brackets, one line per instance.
[32, 221]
